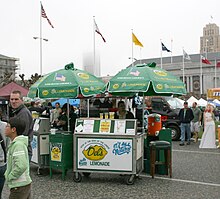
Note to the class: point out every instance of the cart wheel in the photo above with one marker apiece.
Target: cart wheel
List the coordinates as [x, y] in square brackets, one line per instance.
[130, 179]
[86, 174]
[77, 177]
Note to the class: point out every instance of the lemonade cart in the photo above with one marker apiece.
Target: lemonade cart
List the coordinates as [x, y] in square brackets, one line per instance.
[107, 146]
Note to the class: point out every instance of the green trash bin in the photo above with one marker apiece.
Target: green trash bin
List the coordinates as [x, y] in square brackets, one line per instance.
[61, 152]
[164, 135]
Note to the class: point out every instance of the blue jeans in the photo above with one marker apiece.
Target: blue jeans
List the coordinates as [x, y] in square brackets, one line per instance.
[185, 128]
[2, 178]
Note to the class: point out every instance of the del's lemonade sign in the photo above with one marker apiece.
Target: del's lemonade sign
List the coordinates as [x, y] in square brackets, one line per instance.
[104, 154]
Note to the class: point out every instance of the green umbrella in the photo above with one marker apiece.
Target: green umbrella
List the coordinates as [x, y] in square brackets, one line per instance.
[67, 83]
[146, 79]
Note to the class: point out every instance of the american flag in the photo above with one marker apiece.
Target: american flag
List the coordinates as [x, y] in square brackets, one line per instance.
[60, 77]
[44, 15]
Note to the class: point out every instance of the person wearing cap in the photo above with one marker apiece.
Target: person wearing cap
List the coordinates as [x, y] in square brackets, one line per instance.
[185, 116]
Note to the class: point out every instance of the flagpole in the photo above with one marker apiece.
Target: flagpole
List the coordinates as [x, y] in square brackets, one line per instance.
[201, 87]
[140, 55]
[171, 58]
[183, 70]
[94, 62]
[132, 55]
[41, 62]
[215, 73]
[161, 59]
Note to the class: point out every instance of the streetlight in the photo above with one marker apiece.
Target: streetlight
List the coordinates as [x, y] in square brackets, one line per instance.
[133, 58]
[41, 57]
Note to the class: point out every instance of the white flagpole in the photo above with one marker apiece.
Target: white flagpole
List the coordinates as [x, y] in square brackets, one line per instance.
[94, 62]
[171, 58]
[201, 87]
[183, 69]
[132, 55]
[41, 59]
[140, 56]
[215, 73]
[161, 58]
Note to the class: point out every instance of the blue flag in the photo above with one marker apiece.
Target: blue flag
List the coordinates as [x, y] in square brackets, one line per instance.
[164, 48]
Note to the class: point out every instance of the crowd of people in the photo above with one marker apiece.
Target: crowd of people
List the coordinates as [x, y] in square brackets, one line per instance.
[58, 116]
[16, 135]
[192, 119]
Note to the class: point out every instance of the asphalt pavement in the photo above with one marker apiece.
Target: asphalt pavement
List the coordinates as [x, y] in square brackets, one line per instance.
[196, 175]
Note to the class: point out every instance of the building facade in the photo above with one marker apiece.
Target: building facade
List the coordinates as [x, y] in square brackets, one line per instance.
[8, 69]
[89, 64]
[210, 41]
[198, 76]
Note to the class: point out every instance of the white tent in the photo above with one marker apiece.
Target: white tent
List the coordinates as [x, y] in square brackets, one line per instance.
[202, 102]
[191, 100]
[180, 101]
[216, 101]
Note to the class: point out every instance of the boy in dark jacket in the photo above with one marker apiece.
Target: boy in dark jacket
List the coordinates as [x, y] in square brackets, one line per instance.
[185, 116]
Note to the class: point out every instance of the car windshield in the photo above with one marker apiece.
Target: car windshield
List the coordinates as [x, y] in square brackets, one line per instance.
[174, 103]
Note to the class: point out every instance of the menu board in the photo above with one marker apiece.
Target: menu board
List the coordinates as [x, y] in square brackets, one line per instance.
[106, 126]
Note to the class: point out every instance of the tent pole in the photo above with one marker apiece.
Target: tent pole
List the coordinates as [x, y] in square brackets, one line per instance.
[68, 114]
[143, 108]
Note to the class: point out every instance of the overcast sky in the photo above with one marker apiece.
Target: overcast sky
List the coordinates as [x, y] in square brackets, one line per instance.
[180, 20]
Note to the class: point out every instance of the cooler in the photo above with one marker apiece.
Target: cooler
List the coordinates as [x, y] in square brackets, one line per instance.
[154, 124]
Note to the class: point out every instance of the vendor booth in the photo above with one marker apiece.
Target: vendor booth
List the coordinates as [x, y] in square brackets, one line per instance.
[107, 146]
[57, 145]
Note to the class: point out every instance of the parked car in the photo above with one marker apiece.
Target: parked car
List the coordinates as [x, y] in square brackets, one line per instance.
[168, 108]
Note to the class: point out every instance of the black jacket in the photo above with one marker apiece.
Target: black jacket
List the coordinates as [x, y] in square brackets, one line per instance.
[188, 117]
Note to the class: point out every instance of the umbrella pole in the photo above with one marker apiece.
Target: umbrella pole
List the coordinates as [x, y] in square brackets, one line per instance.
[87, 107]
[68, 115]
[143, 107]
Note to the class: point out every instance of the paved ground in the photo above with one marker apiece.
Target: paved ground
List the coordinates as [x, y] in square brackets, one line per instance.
[196, 175]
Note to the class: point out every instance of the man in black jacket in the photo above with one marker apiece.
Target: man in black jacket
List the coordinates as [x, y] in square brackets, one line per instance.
[185, 116]
[20, 110]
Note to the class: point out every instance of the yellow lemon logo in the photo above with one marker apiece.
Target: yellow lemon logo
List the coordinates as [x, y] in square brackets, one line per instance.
[95, 153]
[83, 75]
[55, 150]
[86, 90]
[45, 92]
[159, 86]
[115, 86]
[160, 73]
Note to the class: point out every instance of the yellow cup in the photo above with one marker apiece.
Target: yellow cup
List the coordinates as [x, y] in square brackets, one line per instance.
[101, 115]
[106, 115]
[112, 115]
